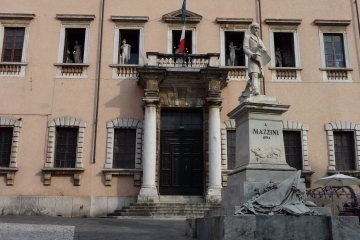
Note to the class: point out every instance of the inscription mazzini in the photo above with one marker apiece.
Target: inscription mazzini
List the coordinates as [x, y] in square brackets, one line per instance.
[268, 132]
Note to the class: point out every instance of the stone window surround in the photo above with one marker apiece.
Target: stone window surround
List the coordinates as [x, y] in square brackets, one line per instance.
[68, 21]
[136, 23]
[225, 126]
[109, 171]
[49, 169]
[342, 126]
[340, 29]
[232, 25]
[287, 26]
[12, 168]
[15, 20]
[179, 26]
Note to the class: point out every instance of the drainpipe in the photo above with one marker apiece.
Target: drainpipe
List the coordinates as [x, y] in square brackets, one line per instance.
[357, 14]
[261, 36]
[97, 81]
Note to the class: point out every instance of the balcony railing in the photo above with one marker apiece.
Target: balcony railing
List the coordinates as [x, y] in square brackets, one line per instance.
[71, 70]
[124, 71]
[179, 60]
[12, 68]
[286, 73]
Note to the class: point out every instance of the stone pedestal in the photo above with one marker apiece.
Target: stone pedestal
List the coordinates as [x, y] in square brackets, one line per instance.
[260, 153]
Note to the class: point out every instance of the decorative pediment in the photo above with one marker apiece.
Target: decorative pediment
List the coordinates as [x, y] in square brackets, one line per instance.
[175, 17]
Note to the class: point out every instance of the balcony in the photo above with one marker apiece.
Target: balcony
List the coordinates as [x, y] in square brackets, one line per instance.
[179, 60]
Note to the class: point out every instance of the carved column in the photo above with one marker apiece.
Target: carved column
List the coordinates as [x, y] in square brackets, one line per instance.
[150, 81]
[214, 100]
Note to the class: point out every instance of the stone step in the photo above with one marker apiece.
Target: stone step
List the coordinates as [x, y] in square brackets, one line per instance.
[165, 209]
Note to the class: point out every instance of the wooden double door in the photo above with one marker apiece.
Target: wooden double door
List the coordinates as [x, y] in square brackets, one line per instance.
[181, 152]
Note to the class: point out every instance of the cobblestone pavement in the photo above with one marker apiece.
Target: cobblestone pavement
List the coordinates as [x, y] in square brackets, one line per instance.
[96, 228]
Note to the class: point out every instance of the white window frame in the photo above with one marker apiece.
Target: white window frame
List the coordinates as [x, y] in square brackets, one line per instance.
[109, 171]
[297, 67]
[63, 28]
[342, 126]
[60, 62]
[222, 45]
[127, 70]
[336, 30]
[189, 27]
[16, 23]
[118, 27]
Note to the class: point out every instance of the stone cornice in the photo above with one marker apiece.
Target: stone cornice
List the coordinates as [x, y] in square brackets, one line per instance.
[175, 17]
[324, 22]
[137, 19]
[244, 21]
[75, 17]
[273, 21]
[17, 16]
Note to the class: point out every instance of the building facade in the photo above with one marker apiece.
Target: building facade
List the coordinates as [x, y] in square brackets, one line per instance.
[98, 109]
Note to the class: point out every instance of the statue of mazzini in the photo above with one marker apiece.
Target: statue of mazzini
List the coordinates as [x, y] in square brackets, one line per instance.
[257, 58]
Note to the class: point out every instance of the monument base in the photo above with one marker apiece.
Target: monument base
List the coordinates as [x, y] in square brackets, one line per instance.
[251, 227]
[245, 183]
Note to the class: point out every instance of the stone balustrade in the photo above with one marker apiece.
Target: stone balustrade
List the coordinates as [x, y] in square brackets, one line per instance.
[337, 74]
[237, 73]
[183, 60]
[124, 71]
[71, 70]
[11, 68]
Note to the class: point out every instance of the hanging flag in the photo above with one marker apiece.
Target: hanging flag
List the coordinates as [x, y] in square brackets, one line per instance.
[183, 18]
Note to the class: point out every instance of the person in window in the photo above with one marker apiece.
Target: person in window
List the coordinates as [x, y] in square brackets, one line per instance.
[232, 50]
[77, 52]
[125, 52]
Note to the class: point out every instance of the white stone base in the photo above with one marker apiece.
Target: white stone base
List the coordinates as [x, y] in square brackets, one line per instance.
[61, 205]
[213, 195]
[148, 195]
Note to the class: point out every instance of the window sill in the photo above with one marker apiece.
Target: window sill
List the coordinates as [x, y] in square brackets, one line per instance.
[71, 70]
[236, 72]
[12, 68]
[125, 70]
[10, 174]
[353, 173]
[282, 74]
[336, 74]
[108, 173]
[48, 172]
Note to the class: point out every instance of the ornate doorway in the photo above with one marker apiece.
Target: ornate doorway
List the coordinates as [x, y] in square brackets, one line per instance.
[181, 152]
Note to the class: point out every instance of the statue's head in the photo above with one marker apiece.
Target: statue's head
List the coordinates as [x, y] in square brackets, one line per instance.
[254, 28]
[231, 44]
[124, 41]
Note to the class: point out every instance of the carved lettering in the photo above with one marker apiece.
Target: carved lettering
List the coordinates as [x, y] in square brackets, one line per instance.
[268, 132]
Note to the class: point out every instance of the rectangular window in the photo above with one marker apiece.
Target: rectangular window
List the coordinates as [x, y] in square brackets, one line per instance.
[284, 49]
[344, 150]
[234, 54]
[334, 50]
[124, 148]
[176, 35]
[6, 134]
[13, 44]
[65, 147]
[129, 46]
[74, 45]
[293, 148]
[231, 148]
